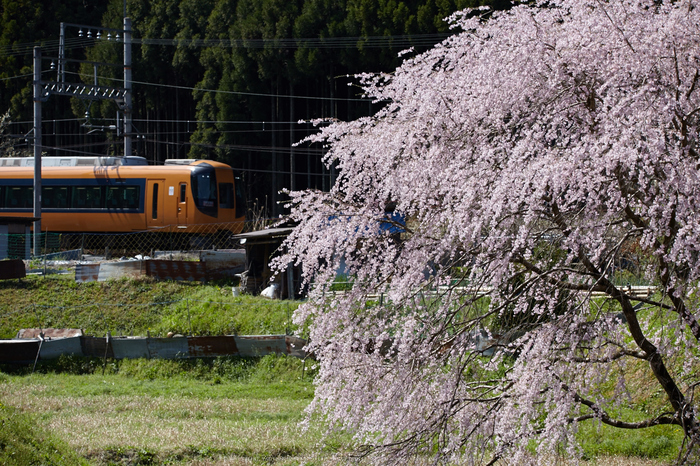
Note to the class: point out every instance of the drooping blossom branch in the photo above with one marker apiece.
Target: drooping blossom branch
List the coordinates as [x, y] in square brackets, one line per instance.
[490, 216]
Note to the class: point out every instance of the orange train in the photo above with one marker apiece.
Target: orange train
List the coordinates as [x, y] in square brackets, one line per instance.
[125, 196]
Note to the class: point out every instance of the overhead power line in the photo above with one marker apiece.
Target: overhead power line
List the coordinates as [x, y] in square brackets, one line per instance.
[278, 150]
[264, 124]
[218, 91]
[17, 77]
[253, 94]
[393, 41]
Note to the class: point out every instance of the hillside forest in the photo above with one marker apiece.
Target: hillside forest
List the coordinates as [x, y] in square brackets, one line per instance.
[239, 81]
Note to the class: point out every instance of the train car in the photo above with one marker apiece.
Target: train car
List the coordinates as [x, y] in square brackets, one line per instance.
[181, 196]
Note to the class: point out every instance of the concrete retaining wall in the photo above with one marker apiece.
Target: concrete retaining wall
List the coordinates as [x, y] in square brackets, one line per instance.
[24, 351]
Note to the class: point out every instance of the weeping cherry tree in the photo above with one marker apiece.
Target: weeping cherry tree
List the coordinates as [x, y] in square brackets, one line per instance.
[493, 217]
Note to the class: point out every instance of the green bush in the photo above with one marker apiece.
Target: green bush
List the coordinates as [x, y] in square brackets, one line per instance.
[23, 442]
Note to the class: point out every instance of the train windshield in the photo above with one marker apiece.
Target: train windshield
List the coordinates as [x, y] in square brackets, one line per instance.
[203, 180]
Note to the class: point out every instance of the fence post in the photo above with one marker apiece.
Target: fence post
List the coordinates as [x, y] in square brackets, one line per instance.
[46, 240]
[290, 281]
[107, 341]
[108, 247]
[38, 351]
[189, 321]
[104, 318]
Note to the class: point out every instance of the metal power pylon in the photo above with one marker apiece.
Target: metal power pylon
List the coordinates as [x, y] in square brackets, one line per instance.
[44, 89]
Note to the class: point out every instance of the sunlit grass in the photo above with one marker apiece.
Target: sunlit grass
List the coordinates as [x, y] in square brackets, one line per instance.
[118, 419]
[221, 411]
[24, 442]
[103, 416]
[660, 443]
[137, 307]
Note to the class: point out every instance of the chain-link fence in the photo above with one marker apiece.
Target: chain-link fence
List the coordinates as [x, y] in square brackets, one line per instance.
[170, 238]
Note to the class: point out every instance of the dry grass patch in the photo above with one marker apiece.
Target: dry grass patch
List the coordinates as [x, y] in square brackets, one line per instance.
[171, 427]
[165, 423]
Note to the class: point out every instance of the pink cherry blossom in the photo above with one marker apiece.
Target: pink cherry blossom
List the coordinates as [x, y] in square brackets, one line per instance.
[526, 154]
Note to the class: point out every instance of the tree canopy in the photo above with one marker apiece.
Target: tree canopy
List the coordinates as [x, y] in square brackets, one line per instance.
[538, 159]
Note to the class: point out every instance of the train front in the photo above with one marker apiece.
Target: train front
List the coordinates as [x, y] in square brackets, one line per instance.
[216, 196]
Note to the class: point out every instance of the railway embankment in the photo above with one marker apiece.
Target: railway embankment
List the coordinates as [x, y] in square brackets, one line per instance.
[47, 316]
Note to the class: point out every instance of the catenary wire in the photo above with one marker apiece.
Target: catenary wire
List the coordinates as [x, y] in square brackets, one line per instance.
[218, 91]
[390, 41]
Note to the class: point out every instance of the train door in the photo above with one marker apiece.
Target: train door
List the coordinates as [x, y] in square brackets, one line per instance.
[182, 205]
[154, 203]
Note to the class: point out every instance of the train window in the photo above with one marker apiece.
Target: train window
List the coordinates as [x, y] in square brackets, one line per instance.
[19, 197]
[183, 192]
[123, 197]
[86, 197]
[2, 196]
[113, 197]
[226, 195]
[94, 197]
[204, 188]
[154, 210]
[54, 197]
[78, 198]
[27, 197]
[132, 194]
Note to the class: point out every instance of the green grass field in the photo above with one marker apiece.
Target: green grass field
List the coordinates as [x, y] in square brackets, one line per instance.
[173, 412]
[220, 411]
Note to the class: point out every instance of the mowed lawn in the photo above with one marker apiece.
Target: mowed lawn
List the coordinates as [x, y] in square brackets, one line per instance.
[119, 420]
[116, 419]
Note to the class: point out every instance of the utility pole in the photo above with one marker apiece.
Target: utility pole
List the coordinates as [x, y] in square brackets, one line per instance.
[37, 150]
[127, 87]
[292, 168]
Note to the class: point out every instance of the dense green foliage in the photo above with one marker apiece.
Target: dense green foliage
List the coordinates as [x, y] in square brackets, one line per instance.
[25, 24]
